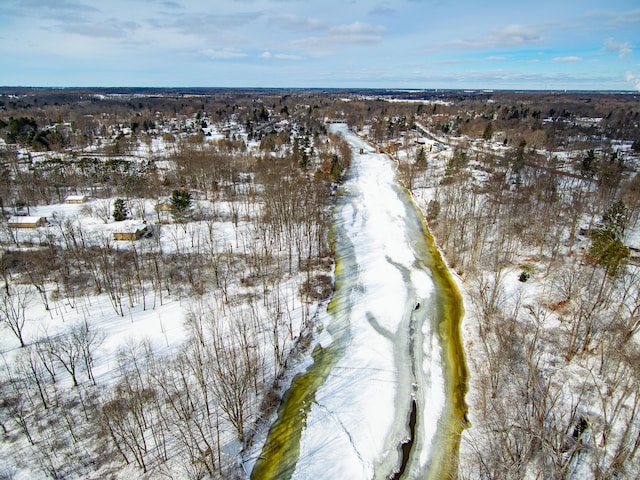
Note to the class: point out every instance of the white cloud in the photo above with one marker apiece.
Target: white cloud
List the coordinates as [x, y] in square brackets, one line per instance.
[297, 24]
[224, 53]
[47, 8]
[340, 36]
[494, 58]
[112, 28]
[568, 59]
[313, 46]
[622, 48]
[633, 79]
[286, 56]
[514, 35]
[511, 36]
[382, 10]
[280, 56]
[457, 61]
[204, 25]
[357, 32]
[621, 18]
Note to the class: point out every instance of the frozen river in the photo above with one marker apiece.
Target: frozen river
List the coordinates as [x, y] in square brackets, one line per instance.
[384, 354]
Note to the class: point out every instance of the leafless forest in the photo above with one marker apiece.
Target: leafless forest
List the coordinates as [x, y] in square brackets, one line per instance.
[532, 197]
[249, 293]
[534, 201]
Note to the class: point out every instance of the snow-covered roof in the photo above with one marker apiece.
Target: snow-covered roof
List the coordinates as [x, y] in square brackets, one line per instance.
[26, 219]
[129, 226]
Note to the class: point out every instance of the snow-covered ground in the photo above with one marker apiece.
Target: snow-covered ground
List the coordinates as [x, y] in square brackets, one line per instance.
[518, 328]
[162, 320]
[161, 325]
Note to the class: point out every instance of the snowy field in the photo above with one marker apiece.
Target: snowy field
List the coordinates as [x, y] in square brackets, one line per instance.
[255, 294]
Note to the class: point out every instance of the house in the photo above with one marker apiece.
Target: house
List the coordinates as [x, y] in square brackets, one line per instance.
[27, 222]
[131, 231]
[75, 199]
[162, 207]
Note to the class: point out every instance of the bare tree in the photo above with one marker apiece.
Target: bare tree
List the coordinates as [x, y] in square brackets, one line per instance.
[88, 339]
[29, 366]
[102, 209]
[67, 351]
[14, 301]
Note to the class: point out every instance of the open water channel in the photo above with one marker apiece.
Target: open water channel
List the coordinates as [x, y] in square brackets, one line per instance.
[384, 396]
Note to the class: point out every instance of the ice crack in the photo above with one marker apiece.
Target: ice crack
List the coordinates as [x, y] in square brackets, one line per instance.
[337, 420]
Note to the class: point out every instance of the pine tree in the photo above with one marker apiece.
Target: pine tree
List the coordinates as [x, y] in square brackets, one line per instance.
[180, 205]
[335, 168]
[421, 158]
[488, 131]
[608, 251]
[120, 210]
[616, 218]
[607, 247]
[588, 166]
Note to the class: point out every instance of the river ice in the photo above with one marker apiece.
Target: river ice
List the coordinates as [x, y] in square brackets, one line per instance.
[391, 352]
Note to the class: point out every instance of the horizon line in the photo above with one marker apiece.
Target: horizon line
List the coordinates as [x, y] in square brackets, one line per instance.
[389, 89]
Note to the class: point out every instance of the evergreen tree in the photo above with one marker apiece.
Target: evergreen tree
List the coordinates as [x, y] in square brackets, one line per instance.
[21, 130]
[608, 251]
[120, 210]
[421, 158]
[180, 203]
[335, 168]
[588, 166]
[607, 247]
[488, 131]
[615, 218]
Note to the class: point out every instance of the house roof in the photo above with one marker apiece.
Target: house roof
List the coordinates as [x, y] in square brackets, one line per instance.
[129, 226]
[26, 219]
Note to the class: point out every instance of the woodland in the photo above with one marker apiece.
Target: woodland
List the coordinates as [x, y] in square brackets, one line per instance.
[533, 198]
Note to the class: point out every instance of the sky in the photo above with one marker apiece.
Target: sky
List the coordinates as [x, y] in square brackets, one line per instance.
[413, 44]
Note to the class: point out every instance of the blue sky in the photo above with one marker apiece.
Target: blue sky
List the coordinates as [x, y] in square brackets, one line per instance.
[493, 44]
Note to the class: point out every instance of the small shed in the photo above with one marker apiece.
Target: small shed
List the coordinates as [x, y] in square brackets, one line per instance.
[27, 222]
[163, 207]
[131, 231]
[75, 199]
